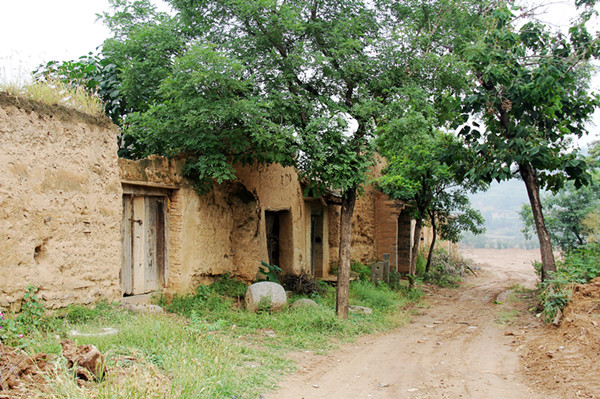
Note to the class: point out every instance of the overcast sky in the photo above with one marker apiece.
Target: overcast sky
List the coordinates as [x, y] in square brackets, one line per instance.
[37, 31]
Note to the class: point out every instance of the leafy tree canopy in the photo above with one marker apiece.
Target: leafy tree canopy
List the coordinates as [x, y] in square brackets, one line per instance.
[531, 92]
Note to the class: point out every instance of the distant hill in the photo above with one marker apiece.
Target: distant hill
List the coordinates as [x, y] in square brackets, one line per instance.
[500, 206]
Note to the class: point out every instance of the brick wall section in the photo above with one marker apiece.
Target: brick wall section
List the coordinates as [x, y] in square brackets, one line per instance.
[404, 242]
[386, 216]
[175, 223]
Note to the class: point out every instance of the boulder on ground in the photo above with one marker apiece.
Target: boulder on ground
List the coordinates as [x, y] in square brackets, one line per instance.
[304, 303]
[265, 294]
[359, 309]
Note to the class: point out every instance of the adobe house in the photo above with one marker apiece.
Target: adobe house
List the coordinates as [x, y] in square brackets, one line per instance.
[175, 239]
[83, 225]
[60, 204]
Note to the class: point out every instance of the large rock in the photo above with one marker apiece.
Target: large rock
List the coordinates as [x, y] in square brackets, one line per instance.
[263, 293]
[304, 303]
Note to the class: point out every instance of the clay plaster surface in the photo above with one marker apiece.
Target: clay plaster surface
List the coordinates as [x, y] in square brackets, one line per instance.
[60, 206]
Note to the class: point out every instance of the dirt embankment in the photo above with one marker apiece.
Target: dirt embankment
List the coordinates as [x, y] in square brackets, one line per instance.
[482, 340]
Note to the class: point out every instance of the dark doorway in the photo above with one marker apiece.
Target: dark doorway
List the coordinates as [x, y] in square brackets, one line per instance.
[278, 226]
[316, 243]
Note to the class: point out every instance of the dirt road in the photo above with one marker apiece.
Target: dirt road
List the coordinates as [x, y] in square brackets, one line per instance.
[465, 343]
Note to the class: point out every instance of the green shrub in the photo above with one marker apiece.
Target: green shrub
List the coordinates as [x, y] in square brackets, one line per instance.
[270, 271]
[578, 267]
[445, 270]
[229, 286]
[421, 264]
[363, 271]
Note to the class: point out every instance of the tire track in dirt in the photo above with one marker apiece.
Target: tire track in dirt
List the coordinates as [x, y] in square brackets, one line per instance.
[454, 348]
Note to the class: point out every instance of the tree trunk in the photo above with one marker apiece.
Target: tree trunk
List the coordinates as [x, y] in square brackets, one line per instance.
[343, 284]
[412, 270]
[530, 178]
[433, 238]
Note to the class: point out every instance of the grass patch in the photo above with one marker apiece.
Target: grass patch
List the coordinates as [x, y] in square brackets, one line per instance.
[207, 346]
[507, 317]
[56, 92]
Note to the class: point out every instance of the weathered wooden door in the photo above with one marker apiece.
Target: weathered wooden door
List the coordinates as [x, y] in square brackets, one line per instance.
[144, 239]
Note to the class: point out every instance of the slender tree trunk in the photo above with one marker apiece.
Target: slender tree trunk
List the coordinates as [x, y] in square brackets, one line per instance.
[343, 284]
[433, 238]
[533, 191]
[412, 270]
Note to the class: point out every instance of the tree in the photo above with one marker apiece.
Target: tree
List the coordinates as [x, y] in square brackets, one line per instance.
[421, 176]
[277, 82]
[531, 92]
[566, 213]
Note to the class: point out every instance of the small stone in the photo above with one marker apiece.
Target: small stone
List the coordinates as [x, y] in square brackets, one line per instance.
[412, 389]
[315, 385]
[360, 309]
[383, 385]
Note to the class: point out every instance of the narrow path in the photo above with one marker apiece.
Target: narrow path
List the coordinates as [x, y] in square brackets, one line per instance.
[462, 345]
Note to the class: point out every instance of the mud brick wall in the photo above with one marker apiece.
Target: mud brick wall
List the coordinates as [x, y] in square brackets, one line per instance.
[60, 204]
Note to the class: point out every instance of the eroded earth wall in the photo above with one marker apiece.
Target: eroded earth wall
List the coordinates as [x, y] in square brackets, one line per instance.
[223, 231]
[60, 205]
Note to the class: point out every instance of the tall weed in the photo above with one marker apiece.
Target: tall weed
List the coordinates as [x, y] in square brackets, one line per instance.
[578, 267]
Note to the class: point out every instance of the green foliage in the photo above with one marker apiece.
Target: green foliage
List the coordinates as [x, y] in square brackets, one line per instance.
[425, 176]
[270, 271]
[565, 213]
[362, 271]
[83, 314]
[578, 267]
[156, 355]
[32, 310]
[229, 286]
[31, 319]
[532, 93]
[446, 270]
[96, 74]
[421, 262]
[264, 305]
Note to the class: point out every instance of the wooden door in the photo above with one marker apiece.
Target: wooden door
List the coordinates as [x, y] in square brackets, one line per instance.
[144, 237]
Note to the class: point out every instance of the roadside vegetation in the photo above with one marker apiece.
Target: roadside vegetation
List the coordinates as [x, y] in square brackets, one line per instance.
[578, 266]
[446, 270]
[56, 92]
[206, 345]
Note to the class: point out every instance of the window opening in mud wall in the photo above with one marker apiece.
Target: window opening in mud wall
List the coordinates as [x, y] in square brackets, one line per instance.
[144, 228]
[403, 242]
[278, 226]
[316, 243]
